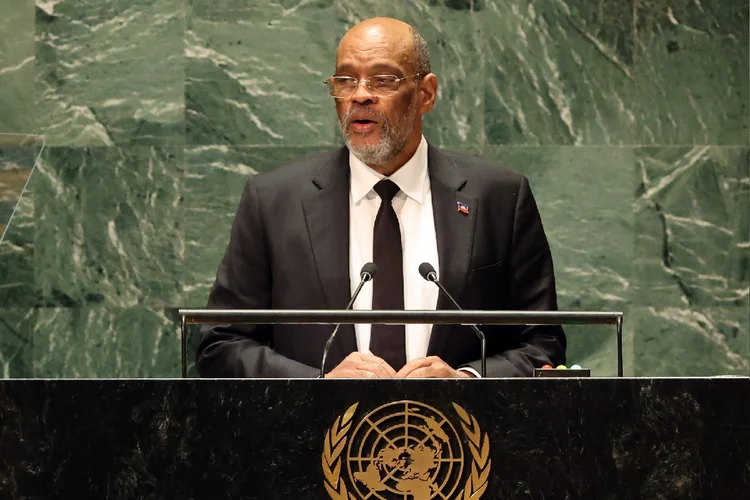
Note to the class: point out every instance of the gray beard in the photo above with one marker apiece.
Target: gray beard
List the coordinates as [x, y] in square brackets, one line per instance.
[393, 141]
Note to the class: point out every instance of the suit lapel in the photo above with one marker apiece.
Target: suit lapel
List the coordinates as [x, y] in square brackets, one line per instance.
[455, 235]
[327, 218]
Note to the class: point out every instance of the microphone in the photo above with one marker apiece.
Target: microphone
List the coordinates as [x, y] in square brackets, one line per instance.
[429, 274]
[365, 275]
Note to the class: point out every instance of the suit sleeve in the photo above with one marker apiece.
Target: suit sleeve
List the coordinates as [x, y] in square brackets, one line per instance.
[532, 288]
[243, 281]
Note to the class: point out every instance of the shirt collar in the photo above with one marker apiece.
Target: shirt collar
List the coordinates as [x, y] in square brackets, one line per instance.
[411, 178]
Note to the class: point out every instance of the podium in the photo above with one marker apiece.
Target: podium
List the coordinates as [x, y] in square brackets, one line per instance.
[317, 439]
[530, 438]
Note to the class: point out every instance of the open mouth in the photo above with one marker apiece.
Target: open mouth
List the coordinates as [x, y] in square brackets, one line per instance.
[363, 125]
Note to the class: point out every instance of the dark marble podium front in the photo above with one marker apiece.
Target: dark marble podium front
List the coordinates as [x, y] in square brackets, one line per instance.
[600, 439]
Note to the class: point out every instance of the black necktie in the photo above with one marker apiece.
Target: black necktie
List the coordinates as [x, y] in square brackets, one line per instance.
[388, 341]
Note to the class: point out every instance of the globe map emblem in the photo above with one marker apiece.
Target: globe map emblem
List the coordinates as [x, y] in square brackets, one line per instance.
[404, 450]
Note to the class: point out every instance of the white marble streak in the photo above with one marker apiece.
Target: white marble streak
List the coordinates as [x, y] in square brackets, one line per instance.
[22, 64]
[704, 324]
[48, 6]
[253, 117]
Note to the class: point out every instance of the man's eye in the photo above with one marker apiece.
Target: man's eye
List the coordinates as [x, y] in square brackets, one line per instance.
[382, 80]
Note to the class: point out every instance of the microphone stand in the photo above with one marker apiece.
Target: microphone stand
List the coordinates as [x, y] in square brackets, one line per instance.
[365, 278]
[432, 276]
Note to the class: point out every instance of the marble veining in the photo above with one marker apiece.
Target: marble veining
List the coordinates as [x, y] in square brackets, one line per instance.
[692, 72]
[110, 72]
[630, 119]
[17, 67]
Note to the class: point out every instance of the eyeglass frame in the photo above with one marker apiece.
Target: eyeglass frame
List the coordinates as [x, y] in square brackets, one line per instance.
[367, 83]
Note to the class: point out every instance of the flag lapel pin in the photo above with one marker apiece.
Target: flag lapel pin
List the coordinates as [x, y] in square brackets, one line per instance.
[462, 207]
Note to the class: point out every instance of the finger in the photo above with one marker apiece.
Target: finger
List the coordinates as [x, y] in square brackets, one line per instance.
[384, 370]
[407, 370]
[360, 361]
[380, 368]
[354, 373]
[372, 363]
[351, 362]
[358, 357]
[370, 358]
[347, 366]
[442, 369]
[355, 357]
[435, 360]
[412, 365]
[423, 372]
[340, 373]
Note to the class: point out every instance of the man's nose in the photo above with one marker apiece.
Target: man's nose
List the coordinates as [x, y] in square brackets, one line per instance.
[362, 94]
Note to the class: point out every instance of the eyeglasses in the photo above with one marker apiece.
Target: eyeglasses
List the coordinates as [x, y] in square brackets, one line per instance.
[341, 87]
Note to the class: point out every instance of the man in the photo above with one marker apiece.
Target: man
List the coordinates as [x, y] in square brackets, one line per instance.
[303, 231]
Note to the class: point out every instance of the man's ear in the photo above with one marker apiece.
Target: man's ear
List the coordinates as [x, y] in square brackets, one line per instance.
[428, 87]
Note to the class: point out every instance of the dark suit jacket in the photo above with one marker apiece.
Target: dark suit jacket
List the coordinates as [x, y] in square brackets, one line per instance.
[289, 249]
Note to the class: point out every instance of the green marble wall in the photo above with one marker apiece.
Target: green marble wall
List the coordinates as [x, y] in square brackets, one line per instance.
[630, 119]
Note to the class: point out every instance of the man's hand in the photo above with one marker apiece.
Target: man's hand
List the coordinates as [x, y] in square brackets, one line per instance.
[430, 367]
[358, 365]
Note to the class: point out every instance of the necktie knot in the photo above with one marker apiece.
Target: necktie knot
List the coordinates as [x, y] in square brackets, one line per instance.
[386, 189]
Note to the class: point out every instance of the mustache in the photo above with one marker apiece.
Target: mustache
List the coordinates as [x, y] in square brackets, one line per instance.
[365, 113]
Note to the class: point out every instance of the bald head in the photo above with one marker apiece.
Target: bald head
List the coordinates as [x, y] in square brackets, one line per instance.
[380, 25]
[403, 40]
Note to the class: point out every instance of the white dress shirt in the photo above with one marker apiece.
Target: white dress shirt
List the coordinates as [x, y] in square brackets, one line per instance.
[413, 207]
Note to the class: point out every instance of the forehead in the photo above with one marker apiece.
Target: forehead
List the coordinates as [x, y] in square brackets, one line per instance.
[373, 50]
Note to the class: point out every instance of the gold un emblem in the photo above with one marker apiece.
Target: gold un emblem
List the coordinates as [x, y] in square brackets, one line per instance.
[405, 449]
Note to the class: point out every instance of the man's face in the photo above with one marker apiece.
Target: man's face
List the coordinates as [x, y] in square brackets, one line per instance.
[376, 128]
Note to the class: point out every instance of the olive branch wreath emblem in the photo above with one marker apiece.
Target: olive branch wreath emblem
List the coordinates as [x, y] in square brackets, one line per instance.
[337, 436]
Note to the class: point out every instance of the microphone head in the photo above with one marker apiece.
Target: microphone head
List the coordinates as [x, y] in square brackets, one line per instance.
[368, 271]
[427, 271]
